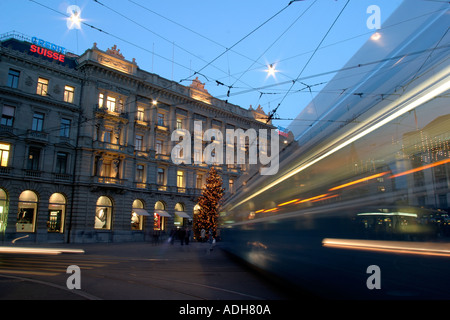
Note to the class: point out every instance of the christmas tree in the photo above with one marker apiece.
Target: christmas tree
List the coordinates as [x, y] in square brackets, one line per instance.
[209, 203]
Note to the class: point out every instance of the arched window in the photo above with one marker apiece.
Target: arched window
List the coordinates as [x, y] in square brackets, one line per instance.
[56, 213]
[160, 216]
[26, 216]
[137, 215]
[3, 210]
[181, 217]
[103, 213]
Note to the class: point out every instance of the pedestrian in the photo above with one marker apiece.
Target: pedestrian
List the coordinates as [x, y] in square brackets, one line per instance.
[202, 235]
[182, 235]
[188, 234]
[212, 243]
[172, 236]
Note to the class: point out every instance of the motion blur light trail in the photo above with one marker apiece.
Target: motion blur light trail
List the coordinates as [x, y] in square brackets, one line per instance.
[421, 248]
[47, 251]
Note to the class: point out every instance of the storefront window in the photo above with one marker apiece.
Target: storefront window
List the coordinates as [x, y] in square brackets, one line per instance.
[3, 210]
[56, 213]
[159, 216]
[181, 217]
[137, 215]
[26, 217]
[103, 213]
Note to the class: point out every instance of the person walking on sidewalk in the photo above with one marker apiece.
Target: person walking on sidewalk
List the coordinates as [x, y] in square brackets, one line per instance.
[182, 235]
[187, 235]
[202, 235]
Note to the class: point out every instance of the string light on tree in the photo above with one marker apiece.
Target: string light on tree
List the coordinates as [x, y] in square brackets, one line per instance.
[209, 203]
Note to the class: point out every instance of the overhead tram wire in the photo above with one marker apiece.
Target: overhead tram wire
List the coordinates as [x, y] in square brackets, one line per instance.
[112, 35]
[351, 38]
[160, 36]
[239, 41]
[275, 41]
[263, 87]
[189, 29]
[447, 46]
[155, 90]
[271, 114]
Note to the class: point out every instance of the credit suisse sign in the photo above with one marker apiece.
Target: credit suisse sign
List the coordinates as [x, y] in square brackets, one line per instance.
[48, 49]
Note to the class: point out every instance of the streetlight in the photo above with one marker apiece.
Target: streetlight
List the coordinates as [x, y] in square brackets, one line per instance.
[74, 21]
[271, 70]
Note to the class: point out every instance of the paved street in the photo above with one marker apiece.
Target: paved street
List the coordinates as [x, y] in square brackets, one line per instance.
[134, 271]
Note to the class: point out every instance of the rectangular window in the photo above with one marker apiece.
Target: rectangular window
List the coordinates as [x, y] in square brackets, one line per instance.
[120, 106]
[13, 78]
[199, 181]
[4, 154]
[140, 173]
[8, 116]
[140, 114]
[180, 179]
[64, 130]
[38, 121]
[61, 162]
[139, 143]
[107, 136]
[68, 94]
[159, 146]
[111, 103]
[33, 159]
[160, 177]
[100, 100]
[160, 119]
[179, 124]
[42, 87]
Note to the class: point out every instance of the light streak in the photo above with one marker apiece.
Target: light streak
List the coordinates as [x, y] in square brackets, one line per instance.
[313, 198]
[288, 202]
[30, 250]
[424, 248]
[359, 181]
[428, 166]
[421, 94]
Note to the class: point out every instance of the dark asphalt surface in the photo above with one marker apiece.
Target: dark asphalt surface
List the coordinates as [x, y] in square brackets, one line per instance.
[134, 271]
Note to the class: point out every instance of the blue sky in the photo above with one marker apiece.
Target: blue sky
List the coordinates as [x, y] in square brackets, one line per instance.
[181, 40]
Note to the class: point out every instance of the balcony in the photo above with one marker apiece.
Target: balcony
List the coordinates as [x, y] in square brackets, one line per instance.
[140, 185]
[117, 115]
[62, 176]
[141, 153]
[109, 180]
[160, 156]
[38, 136]
[109, 146]
[33, 173]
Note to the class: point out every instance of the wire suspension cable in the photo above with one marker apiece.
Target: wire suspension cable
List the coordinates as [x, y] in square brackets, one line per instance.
[271, 114]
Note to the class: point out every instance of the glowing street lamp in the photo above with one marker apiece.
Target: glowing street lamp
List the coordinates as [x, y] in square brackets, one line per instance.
[74, 21]
[271, 70]
[376, 36]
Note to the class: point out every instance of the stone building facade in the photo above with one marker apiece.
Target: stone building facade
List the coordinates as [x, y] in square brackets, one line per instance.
[86, 145]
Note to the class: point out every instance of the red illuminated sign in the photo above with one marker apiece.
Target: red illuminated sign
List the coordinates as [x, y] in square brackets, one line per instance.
[47, 49]
[47, 53]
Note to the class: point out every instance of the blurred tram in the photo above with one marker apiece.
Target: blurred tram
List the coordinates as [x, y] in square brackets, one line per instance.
[366, 180]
